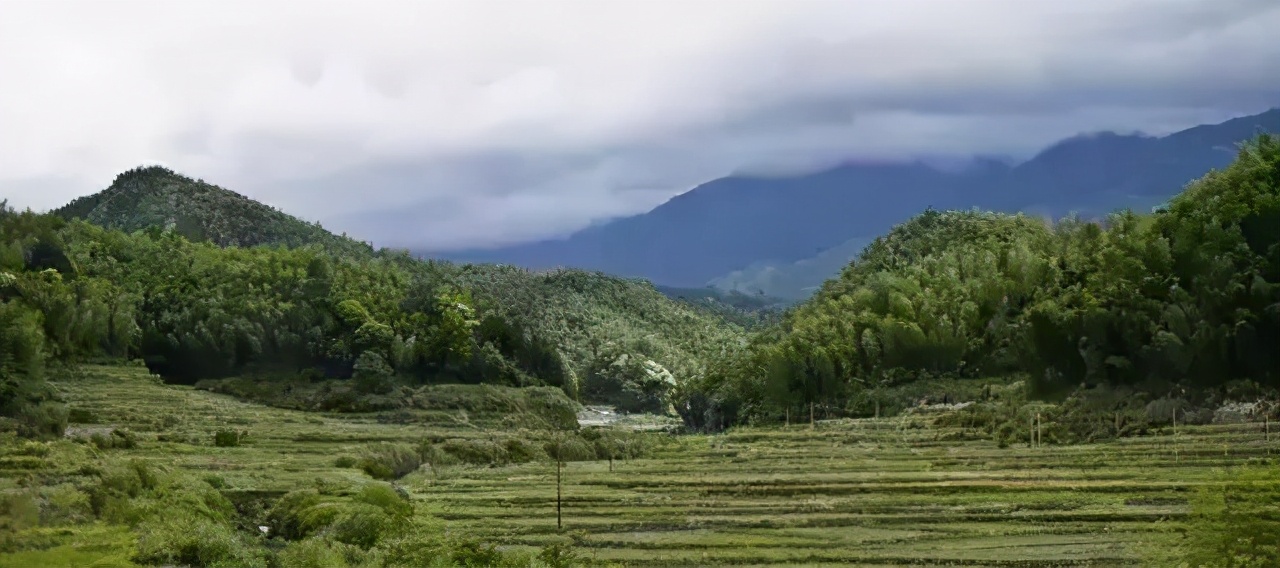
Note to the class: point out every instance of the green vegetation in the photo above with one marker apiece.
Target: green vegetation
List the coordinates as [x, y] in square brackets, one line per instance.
[332, 405]
[158, 199]
[908, 490]
[1182, 304]
[332, 489]
[326, 323]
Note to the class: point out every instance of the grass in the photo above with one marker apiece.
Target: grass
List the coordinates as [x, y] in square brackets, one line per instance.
[894, 491]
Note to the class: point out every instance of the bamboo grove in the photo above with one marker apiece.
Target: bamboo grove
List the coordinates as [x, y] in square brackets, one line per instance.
[73, 292]
[1185, 298]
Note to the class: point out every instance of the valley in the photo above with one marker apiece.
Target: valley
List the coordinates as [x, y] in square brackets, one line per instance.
[210, 382]
[869, 492]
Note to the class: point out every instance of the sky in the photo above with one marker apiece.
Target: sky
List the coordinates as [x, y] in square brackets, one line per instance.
[442, 124]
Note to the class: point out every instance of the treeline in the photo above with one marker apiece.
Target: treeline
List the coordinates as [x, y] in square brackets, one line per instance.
[73, 291]
[1185, 298]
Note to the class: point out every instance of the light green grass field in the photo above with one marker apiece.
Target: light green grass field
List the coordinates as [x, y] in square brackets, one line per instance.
[863, 492]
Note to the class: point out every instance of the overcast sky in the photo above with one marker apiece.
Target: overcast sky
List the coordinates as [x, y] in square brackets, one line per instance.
[444, 124]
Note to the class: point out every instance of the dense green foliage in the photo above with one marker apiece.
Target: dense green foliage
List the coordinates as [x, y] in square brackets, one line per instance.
[1187, 297]
[155, 197]
[308, 305]
[49, 313]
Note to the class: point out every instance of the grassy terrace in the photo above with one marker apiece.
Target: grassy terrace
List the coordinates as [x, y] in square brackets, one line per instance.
[868, 492]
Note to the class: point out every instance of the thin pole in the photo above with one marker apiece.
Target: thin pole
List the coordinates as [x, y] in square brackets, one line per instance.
[1038, 437]
[559, 523]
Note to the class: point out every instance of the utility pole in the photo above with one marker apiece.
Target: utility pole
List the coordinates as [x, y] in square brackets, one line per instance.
[559, 523]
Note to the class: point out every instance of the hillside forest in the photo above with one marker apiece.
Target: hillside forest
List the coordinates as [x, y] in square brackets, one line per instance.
[1182, 303]
[367, 322]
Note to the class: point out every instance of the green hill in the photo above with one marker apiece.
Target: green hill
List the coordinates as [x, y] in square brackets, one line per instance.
[165, 269]
[1184, 299]
[156, 197]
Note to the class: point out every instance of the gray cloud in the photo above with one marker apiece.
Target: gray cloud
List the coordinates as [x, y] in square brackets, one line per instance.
[464, 123]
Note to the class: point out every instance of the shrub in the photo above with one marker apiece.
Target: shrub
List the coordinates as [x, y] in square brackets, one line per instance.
[476, 451]
[474, 553]
[415, 543]
[388, 461]
[359, 521]
[523, 451]
[558, 555]
[312, 553]
[81, 416]
[227, 438]
[18, 511]
[65, 505]
[372, 374]
[194, 541]
[116, 439]
[570, 448]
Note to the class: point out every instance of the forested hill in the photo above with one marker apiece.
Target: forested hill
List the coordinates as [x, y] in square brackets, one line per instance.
[158, 198]
[1185, 300]
[317, 307]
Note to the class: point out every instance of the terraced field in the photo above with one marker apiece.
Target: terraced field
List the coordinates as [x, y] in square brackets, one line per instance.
[884, 492]
[862, 492]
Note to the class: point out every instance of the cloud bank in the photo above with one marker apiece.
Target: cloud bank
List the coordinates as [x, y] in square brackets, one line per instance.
[470, 123]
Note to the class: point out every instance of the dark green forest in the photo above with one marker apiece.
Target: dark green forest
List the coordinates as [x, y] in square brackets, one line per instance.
[197, 309]
[1182, 303]
[1183, 300]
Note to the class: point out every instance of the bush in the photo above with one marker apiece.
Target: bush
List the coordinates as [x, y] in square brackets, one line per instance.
[18, 511]
[116, 439]
[194, 541]
[227, 438]
[523, 451]
[388, 461]
[570, 449]
[372, 374]
[476, 451]
[312, 553]
[65, 505]
[359, 521]
[416, 543]
[81, 416]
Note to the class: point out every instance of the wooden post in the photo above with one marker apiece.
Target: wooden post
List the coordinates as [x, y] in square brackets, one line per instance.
[811, 423]
[877, 408]
[559, 523]
[788, 417]
[1039, 437]
[1175, 421]
[1032, 428]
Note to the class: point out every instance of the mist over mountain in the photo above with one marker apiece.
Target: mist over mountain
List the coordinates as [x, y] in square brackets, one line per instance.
[734, 223]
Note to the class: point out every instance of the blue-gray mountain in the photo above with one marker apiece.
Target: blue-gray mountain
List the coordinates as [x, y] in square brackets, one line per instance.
[729, 229]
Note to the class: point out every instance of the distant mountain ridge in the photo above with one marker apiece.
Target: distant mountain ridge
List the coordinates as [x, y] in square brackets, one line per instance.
[157, 197]
[717, 230]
